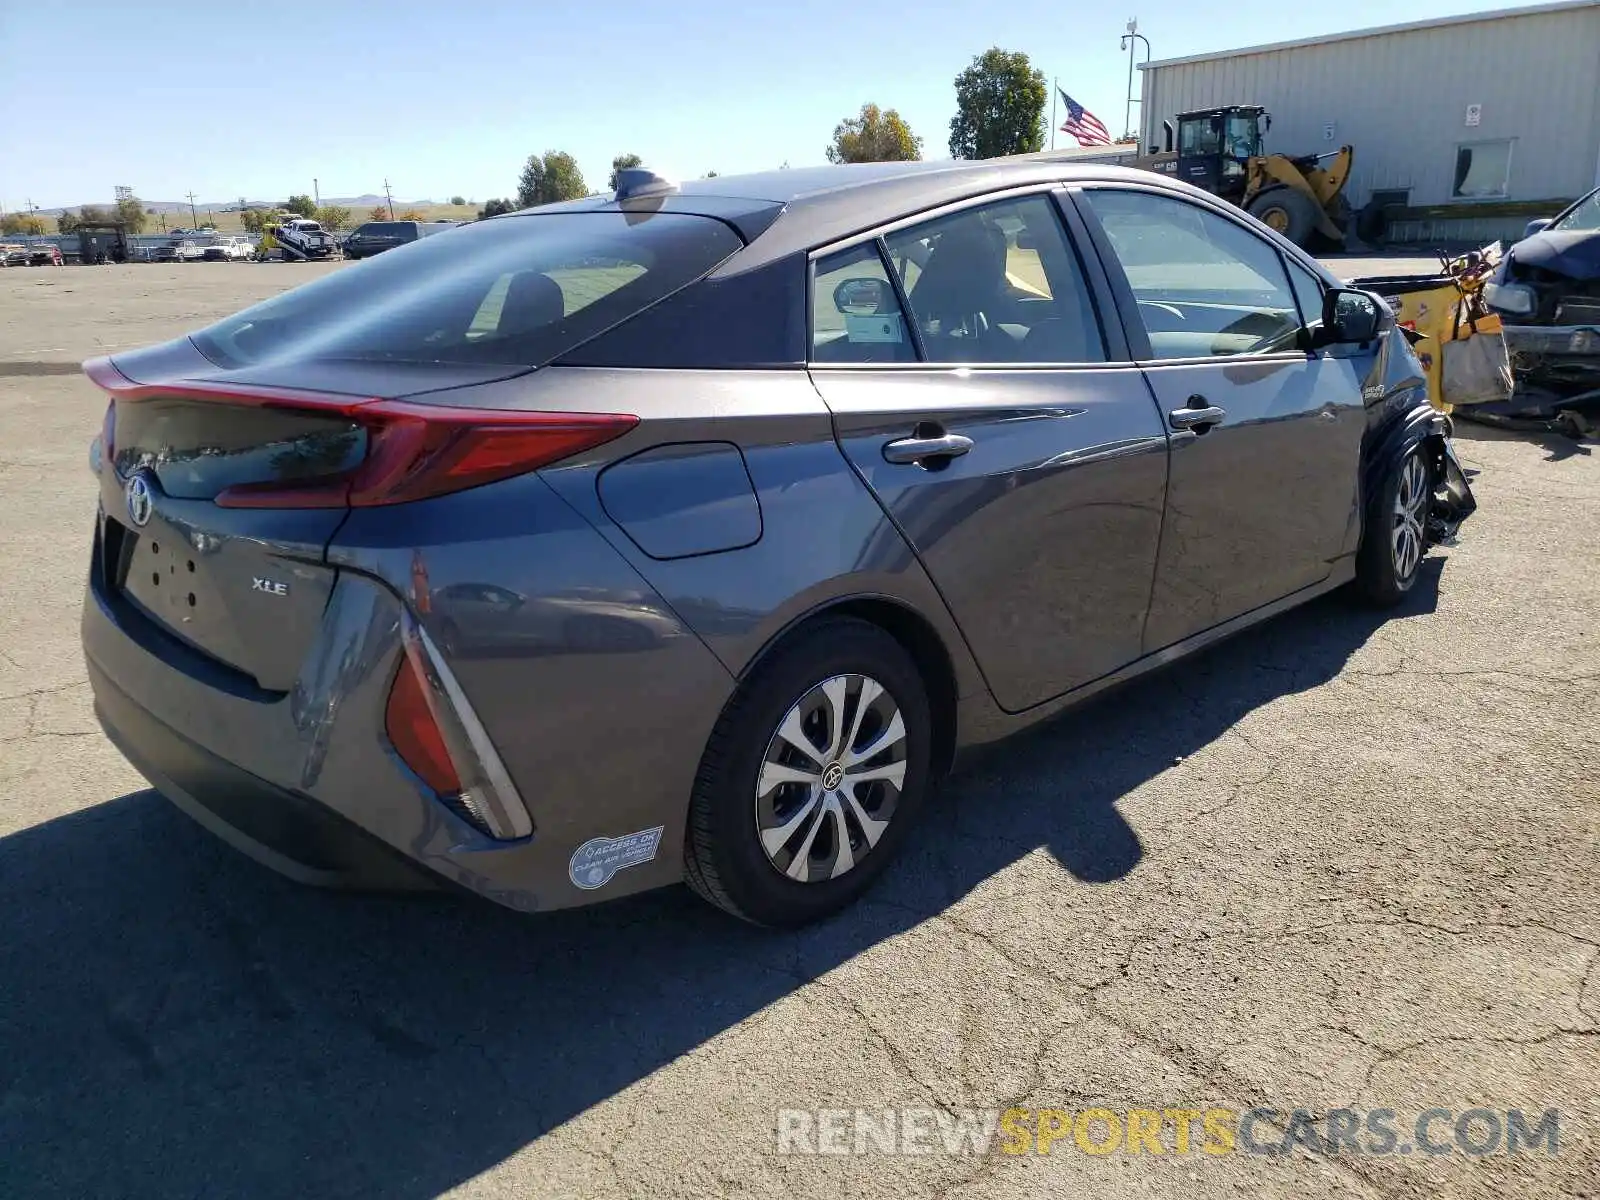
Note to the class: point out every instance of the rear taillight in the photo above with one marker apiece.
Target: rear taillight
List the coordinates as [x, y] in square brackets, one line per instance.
[414, 451]
[103, 448]
[414, 732]
[431, 725]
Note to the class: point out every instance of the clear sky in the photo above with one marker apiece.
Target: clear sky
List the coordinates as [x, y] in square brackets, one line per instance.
[445, 98]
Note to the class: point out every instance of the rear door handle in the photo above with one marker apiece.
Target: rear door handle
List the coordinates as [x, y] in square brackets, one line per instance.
[916, 449]
[1196, 418]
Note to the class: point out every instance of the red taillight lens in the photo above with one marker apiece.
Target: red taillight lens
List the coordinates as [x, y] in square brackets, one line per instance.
[414, 451]
[414, 732]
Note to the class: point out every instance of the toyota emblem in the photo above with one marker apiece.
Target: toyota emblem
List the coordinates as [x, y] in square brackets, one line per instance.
[140, 502]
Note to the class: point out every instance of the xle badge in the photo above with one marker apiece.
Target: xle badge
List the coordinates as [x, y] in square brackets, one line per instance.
[597, 860]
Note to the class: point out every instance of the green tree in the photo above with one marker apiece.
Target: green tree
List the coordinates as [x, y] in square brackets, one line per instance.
[550, 179]
[334, 217]
[874, 136]
[301, 206]
[1000, 103]
[131, 213]
[495, 208]
[253, 219]
[622, 162]
[18, 223]
[458, 199]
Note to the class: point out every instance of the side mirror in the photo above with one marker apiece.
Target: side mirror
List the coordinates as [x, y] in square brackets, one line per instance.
[1350, 317]
[1533, 227]
[864, 296]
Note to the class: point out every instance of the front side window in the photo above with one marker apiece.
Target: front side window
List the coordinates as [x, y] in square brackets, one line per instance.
[1205, 286]
[1483, 170]
[997, 284]
[1308, 290]
[1585, 215]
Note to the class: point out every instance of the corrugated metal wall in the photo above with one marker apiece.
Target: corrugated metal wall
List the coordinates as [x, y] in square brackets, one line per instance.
[1401, 99]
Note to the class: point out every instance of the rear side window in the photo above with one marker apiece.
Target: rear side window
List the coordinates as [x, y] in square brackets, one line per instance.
[518, 291]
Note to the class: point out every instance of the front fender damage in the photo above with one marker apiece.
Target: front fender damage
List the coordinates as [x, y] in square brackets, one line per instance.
[1400, 419]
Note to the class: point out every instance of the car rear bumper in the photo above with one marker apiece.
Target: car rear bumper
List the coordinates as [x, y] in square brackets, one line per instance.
[281, 829]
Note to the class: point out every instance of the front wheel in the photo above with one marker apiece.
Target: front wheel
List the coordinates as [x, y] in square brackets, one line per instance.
[812, 777]
[1396, 536]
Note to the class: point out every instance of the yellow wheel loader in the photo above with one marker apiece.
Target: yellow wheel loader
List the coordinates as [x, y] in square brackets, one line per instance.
[1219, 149]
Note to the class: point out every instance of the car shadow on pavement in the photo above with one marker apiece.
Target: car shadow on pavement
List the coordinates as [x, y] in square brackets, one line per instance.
[175, 1021]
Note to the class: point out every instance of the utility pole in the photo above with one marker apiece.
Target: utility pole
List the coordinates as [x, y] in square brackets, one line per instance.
[1055, 90]
[194, 217]
[1129, 42]
[316, 193]
[389, 196]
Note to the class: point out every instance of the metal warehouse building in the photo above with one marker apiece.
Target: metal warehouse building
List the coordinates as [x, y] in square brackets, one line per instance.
[1466, 126]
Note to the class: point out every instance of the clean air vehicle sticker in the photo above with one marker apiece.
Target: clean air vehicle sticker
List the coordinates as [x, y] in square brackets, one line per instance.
[597, 860]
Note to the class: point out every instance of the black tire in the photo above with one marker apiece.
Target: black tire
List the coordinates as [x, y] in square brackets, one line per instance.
[1291, 213]
[724, 858]
[1385, 574]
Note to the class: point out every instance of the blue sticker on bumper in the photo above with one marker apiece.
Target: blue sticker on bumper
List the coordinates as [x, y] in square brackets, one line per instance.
[597, 860]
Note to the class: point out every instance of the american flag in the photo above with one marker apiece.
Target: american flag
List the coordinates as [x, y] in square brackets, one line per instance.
[1082, 124]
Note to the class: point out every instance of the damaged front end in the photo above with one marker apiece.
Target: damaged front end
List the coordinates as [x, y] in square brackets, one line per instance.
[1547, 295]
[1401, 420]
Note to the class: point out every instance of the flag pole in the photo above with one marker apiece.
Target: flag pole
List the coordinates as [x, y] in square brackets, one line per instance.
[1055, 87]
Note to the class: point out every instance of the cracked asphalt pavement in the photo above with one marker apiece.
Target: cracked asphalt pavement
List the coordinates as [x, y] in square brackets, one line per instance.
[1339, 861]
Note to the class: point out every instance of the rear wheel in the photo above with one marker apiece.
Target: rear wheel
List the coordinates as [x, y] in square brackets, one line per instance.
[1286, 211]
[1396, 537]
[812, 777]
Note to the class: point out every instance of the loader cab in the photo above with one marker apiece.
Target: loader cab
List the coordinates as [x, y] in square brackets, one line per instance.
[1216, 144]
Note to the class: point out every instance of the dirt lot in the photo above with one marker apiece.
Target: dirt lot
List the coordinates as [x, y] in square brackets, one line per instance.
[1337, 862]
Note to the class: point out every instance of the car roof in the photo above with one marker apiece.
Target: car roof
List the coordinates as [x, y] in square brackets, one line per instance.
[785, 211]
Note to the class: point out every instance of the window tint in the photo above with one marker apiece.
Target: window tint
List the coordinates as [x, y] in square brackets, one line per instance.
[519, 291]
[1205, 286]
[855, 314]
[997, 284]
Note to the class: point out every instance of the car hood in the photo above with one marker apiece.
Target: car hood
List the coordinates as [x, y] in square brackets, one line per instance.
[1575, 253]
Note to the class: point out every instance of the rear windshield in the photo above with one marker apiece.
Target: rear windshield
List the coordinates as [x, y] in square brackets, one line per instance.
[516, 290]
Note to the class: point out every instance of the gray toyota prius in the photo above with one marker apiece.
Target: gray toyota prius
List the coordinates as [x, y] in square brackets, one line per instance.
[692, 532]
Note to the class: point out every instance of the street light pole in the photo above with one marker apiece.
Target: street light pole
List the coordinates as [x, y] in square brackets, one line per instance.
[1129, 43]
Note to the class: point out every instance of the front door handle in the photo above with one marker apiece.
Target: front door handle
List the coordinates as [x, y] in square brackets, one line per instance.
[1199, 419]
[916, 449]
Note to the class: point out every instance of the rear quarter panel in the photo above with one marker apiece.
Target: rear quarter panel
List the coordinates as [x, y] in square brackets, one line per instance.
[823, 538]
